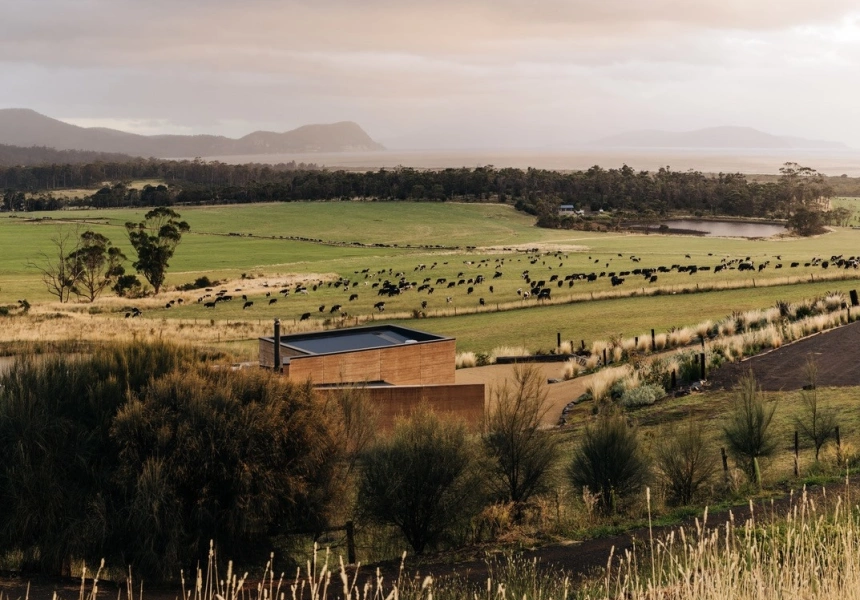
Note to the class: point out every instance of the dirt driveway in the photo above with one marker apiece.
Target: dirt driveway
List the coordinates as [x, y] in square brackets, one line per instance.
[836, 352]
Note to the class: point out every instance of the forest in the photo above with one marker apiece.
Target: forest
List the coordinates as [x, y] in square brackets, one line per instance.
[536, 191]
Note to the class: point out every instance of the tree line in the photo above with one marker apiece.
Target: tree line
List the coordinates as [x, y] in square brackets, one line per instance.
[536, 191]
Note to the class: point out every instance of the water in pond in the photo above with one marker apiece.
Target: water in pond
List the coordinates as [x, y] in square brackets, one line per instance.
[727, 228]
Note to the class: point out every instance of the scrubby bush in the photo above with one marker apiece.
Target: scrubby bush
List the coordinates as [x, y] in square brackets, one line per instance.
[644, 395]
[609, 461]
[685, 461]
[56, 490]
[230, 456]
[423, 479]
[521, 454]
[747, 428]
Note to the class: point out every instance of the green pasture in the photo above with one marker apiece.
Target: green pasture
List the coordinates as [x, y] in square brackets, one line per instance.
[260, 253]
[589, 321]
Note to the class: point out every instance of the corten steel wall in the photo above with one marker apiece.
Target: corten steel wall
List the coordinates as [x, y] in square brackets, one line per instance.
[408, 364]
[462, 403]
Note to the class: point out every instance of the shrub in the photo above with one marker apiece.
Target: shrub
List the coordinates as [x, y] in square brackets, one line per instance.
[423, 480]
[465, 360]
[747, 428]
[521, 454]
[229, 456]
[609, 461]
[817, 422]
[685, 461]
[56, 484]
[200, 283]
[644, 395]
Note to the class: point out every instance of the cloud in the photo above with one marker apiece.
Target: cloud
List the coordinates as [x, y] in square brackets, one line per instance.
[473, 69]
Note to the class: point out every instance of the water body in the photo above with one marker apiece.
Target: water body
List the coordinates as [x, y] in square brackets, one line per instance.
[726, 228]
[749, 161]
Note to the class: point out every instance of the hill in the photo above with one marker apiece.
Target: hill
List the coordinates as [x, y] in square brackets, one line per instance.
[25, 127]
[712, 137]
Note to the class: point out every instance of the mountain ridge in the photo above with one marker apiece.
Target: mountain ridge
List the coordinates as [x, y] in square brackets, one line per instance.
[26, 127]
[712, 137]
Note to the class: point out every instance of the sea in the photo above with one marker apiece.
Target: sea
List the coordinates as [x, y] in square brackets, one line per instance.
[717, 160]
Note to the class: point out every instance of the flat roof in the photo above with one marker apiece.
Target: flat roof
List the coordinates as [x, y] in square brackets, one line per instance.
[355, 339]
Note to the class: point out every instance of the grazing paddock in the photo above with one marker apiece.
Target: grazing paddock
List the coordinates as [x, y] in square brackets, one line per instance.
[355, 274]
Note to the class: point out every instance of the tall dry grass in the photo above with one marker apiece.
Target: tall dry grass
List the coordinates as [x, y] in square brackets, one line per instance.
[811, 552]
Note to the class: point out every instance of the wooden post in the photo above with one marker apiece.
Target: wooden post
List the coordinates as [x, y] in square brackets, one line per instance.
[277, 340]
[674, 379]
[796, 454]
[604, 357]
[653, 341]
[838, 439]
[636, 341]
[350, 542]
[725, 461]
[558, 339]
[583, 344]
[702, 364]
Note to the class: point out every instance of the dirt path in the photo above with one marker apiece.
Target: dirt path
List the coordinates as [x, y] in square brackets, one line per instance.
[836, 352]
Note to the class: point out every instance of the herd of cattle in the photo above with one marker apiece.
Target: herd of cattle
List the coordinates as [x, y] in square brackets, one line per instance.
[481, 278]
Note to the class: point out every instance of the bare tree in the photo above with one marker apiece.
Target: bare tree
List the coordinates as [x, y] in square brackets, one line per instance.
[817, 423]
[522, 454]
[60, 272]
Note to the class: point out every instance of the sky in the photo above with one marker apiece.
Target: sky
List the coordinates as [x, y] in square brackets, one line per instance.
[438, 75]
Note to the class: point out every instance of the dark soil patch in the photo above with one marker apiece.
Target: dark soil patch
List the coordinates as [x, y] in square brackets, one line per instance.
[836, 352]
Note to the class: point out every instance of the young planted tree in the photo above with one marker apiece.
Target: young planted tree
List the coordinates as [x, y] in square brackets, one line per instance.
[609, 461]
[99, 264]
[155, 240]
[685, 460]
[522, 455]
[747, 428]
[422, 480]
[817, 422]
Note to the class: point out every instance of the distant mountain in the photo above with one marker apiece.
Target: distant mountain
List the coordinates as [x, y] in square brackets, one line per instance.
[17, 156]
[712, 137]
[25, 127]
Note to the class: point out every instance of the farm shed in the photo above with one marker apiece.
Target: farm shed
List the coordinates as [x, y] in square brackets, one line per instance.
[398, 368]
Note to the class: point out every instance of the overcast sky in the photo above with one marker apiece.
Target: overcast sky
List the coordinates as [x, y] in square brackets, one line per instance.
[440, 74]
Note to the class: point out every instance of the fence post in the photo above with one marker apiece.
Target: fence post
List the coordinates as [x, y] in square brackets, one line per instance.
[796, 454]
[653, 341]
[558, 339]
[725, 460]
[702, 364]
[604, 357]
[838, 439]
[350, 542]
[674, 380]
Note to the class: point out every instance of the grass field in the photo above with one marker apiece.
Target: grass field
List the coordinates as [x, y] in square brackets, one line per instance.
[499, 236]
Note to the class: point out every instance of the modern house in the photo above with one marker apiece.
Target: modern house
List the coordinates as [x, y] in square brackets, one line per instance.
[399, 368]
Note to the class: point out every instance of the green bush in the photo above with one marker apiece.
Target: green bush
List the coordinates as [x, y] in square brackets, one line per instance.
[423, 479]
[685, 461]
[747, 428]
[609, 461]
[644, 395]
[219, 455]
[56, 485]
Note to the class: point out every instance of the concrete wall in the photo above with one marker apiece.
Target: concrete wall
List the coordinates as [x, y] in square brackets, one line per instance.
[461, 403]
